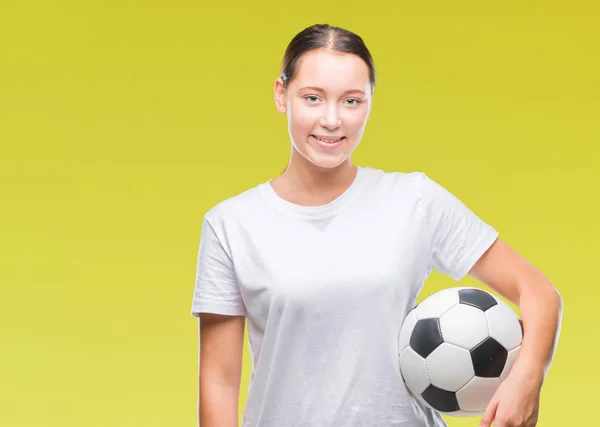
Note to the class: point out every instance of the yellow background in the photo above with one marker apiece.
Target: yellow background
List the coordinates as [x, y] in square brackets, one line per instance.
[123, 122]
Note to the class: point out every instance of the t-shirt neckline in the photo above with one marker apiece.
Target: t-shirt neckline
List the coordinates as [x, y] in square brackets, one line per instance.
[315, 212]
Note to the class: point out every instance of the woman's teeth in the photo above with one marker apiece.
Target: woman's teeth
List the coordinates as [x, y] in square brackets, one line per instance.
[330, 141]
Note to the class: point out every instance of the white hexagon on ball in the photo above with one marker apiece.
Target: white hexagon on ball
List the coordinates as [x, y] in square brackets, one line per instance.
[406, 330]
[437, 304]
[413, 371]
[476, 395]
[464, 325]
[449, 367]
[504, 325]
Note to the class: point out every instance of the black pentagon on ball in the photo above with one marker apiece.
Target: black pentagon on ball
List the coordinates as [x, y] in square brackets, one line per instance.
[442, 400]
[489, 358]
[476, 298]
[426, 336]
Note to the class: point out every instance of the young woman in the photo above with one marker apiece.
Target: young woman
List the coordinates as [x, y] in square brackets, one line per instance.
[325, 261]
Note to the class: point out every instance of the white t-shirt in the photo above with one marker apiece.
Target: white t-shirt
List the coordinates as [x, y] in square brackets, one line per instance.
[325, 290]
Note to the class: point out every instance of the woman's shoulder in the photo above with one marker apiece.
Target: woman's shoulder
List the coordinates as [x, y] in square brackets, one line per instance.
[406, 179]
[239, 203]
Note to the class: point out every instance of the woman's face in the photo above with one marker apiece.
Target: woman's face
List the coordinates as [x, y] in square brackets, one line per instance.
[329, 98]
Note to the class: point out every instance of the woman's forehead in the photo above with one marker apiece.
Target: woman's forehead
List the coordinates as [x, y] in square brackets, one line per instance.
[332, 72]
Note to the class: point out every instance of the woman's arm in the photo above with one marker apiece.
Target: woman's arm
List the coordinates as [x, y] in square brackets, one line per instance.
[508, 273]
[220, 366]
[516, 402]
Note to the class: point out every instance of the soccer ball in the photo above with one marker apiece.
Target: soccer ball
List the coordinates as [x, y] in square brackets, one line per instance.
[456, 347]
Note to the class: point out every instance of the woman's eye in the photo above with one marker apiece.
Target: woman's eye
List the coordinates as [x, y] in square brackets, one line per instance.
[312, 99]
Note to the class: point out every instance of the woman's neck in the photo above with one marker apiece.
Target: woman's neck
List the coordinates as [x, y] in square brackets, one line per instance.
[310, 185]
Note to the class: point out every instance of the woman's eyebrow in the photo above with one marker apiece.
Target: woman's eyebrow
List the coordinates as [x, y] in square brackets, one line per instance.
[318, 89]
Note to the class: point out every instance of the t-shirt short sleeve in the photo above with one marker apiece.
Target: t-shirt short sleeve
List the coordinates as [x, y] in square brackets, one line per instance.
[459, 236]
[216, 289]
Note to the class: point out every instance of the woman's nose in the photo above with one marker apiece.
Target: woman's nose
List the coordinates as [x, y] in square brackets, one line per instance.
[331, 119]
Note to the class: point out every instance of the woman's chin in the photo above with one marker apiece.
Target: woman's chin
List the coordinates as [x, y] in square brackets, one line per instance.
[323, 159]
[327, 162]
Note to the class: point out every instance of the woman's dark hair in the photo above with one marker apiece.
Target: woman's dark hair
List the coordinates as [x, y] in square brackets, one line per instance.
[326, 36]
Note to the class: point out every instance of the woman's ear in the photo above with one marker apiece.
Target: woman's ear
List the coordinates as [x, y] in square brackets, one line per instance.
[280, 96]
